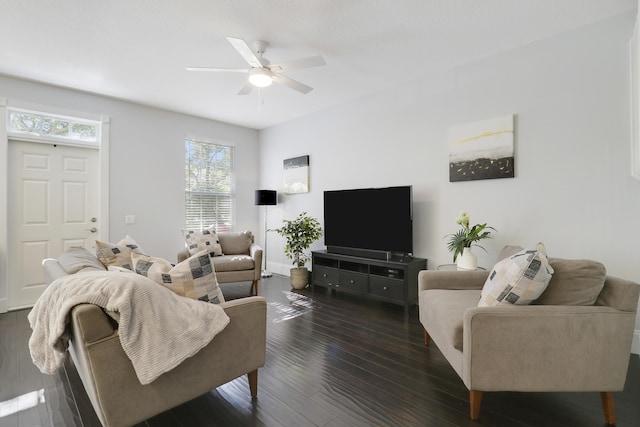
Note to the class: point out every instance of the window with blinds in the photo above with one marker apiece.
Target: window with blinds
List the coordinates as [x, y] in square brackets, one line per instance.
[208, 185]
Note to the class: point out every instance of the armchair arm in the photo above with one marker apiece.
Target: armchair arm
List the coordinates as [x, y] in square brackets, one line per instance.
[256, 253]
[546, 348]
[52, 270]
[90, 323]
[432, 279]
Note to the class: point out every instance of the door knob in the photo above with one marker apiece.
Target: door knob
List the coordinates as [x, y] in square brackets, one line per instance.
[93, 229]
[94, 219]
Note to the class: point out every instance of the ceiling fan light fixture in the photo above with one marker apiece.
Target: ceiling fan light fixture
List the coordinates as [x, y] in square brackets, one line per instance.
[260, 77]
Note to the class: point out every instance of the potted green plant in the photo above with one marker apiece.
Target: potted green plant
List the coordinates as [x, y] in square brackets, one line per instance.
[461, 241]
[299, 233]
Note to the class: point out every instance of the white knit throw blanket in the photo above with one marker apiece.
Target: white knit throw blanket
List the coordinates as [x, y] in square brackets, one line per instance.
[158, 329]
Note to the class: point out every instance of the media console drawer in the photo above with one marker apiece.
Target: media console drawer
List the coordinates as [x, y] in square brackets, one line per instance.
[386, 288]
[325, 276]
[357, 282]
[392, 281]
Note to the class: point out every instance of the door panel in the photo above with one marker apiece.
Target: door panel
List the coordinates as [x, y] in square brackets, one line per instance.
[53, 195]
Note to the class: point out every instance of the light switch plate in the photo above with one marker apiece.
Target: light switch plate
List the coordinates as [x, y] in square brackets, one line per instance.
[129, 219]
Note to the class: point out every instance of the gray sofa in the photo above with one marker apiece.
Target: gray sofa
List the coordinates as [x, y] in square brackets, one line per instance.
[532, 348]
[242, 259]
[110, 381]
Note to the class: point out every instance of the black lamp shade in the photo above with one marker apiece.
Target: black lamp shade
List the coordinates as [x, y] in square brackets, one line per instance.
[266, 197]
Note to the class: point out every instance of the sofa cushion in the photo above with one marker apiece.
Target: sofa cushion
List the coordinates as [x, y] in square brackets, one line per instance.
[199, 240]
[193, 278]
[236, 242]
[74, 260]
[233, 263]
[110, 254]
[518, 279]
[574, 282]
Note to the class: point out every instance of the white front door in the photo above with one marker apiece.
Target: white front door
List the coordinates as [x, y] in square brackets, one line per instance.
[53, 205]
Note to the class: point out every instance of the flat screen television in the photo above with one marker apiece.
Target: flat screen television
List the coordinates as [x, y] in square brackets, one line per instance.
[371, 222]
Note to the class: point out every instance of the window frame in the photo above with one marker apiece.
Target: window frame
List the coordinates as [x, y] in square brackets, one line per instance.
[202, 223]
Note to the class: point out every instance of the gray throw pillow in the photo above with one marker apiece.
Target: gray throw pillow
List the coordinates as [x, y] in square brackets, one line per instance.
[574, 282]
[236, 243]
[74, 260]
[507, 251]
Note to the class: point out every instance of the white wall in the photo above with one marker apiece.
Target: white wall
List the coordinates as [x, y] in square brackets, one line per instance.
[147, 164]
[572, 189]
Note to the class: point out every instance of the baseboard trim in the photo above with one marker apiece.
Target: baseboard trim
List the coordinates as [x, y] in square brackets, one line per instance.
[279, 268]
[4, 305]
[635, 346]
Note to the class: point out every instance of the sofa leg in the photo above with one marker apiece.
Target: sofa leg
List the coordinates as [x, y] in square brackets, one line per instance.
[475, 398]
[255, 287]
[608, 407]
[253, 383]
[427, 338]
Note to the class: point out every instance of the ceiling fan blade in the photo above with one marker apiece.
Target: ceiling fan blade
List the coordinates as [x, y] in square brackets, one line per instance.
[312, 61]
[246, 88]
[232, 70]
[245, 51]
[286, 81]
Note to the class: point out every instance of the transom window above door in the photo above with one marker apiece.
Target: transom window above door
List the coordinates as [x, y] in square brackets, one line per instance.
[41, 125]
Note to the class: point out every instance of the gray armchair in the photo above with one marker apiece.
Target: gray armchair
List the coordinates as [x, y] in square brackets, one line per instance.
[242, 259]
[532, 348]
[109, 378]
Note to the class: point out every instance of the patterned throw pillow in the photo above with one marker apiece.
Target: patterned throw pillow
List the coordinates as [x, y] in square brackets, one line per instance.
[131, 244]
[193, 278]
[198, 241]
[518, 279]
[120, 269]
[110, 254]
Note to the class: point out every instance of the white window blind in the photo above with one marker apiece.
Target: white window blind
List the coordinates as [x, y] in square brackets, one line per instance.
[208, 185]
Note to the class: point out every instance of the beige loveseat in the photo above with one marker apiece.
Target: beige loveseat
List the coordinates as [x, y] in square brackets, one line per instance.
[241, 260]
[109, 378]
[533, 348]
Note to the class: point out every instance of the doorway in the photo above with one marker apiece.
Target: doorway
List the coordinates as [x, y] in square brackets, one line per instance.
[53, 204]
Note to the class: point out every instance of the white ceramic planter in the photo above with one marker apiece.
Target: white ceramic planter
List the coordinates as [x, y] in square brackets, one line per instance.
[467, 260]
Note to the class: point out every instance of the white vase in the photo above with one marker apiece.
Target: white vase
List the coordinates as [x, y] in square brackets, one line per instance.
[467, 260]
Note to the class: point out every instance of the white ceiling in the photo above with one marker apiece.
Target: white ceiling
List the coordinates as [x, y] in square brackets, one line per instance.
[137, 50]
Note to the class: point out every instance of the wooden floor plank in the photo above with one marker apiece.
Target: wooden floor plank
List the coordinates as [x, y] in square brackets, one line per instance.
[9, 356]
[333, 360]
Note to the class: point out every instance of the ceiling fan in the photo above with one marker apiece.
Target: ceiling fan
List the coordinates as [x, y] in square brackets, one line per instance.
[263, 73]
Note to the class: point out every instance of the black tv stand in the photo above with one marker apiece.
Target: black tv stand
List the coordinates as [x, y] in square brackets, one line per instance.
[394, 280]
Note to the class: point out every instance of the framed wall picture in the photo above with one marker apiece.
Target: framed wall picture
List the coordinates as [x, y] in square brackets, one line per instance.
[296, 175]
[481, 150]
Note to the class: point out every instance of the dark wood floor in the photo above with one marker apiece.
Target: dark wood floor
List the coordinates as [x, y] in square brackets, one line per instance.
[332, 360]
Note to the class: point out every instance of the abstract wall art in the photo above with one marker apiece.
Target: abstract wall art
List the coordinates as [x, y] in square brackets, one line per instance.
[296, 175]
[481, 150]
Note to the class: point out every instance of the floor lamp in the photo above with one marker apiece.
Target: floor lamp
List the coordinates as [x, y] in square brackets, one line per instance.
[266, 198]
